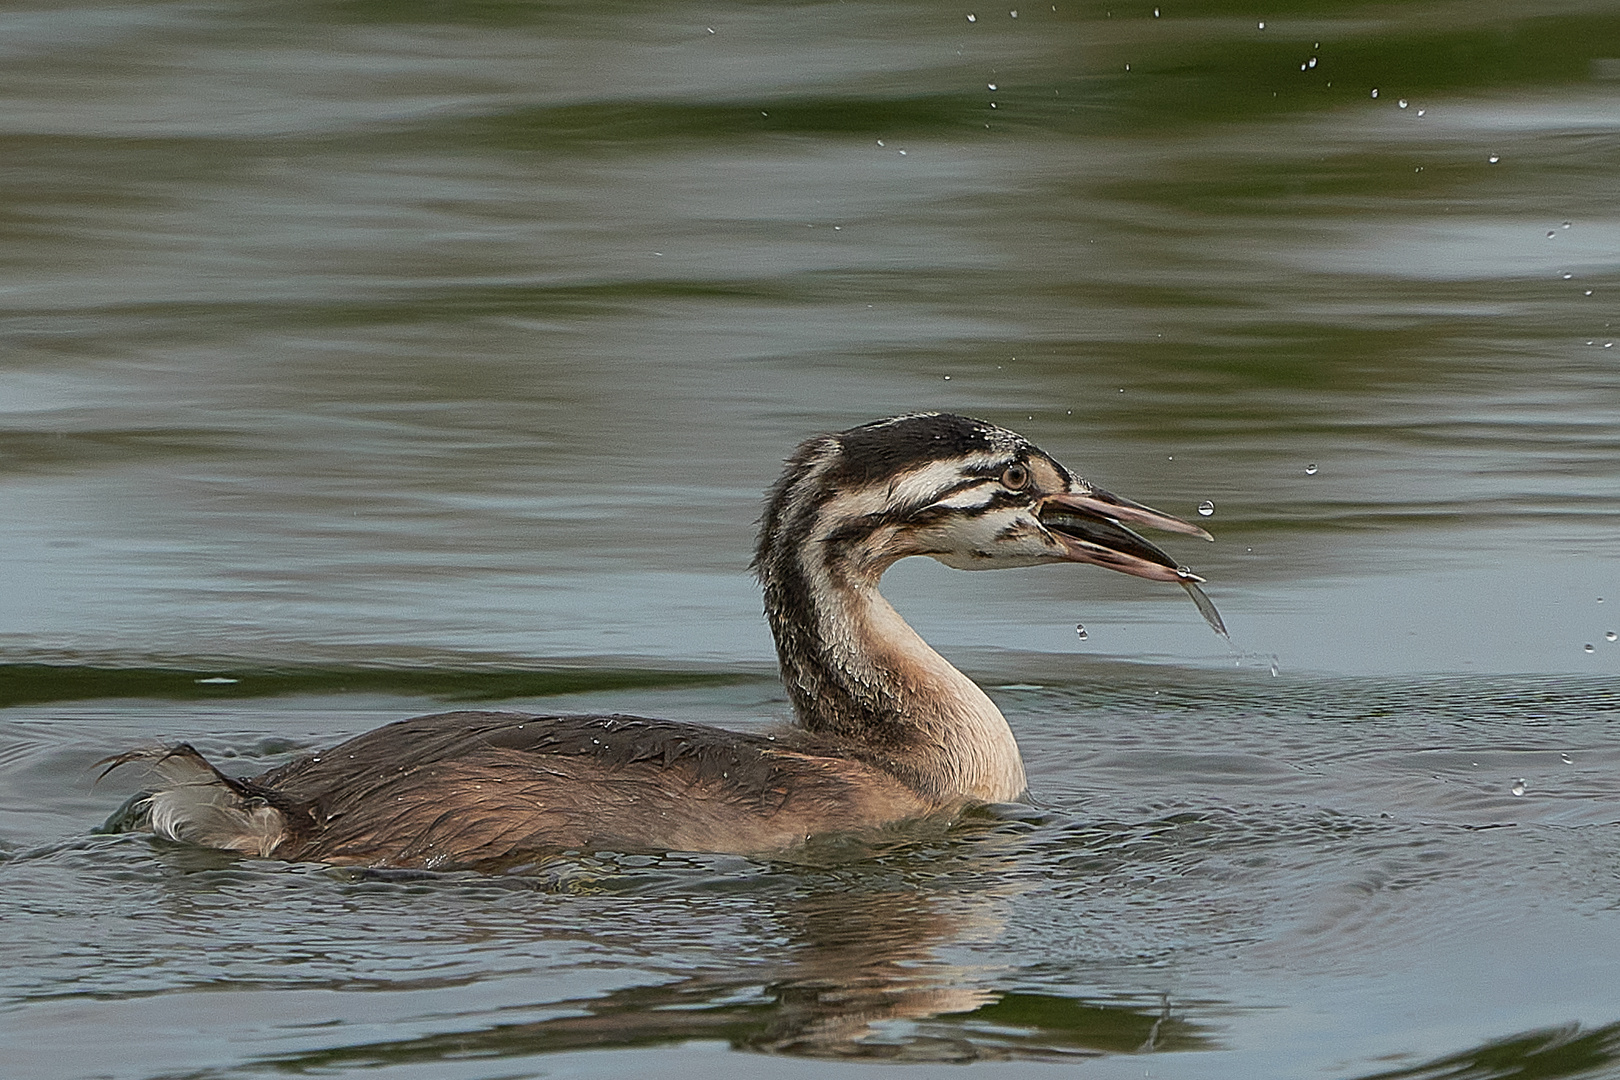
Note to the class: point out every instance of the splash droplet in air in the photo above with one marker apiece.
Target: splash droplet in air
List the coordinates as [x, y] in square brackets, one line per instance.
[1375, 92]
[1494, 158]
[1518, 786]
[1310, 470]
[1206, 508]
[1401, 103]
[1610, 636]
[1589, 646]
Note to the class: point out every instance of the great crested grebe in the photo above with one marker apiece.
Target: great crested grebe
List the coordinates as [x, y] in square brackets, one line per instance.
[887, 729]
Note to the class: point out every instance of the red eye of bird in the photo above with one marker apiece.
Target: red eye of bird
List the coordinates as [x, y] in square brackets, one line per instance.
[1016, 478]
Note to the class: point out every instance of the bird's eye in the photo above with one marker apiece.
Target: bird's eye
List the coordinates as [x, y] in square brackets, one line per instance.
[1016, 478]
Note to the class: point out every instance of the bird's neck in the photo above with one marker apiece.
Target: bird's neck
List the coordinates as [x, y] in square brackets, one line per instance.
[857, 673]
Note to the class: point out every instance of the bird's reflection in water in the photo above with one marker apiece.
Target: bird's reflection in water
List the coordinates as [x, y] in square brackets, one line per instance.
[865, 982]
[855, 974]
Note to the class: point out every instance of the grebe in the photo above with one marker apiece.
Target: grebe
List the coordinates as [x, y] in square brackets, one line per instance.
[887, 729]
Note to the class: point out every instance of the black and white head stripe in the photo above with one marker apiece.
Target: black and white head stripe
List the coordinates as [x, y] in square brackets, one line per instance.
[915, 470]
[901, 444]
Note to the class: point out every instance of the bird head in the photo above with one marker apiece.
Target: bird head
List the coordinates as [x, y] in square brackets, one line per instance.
[968, 493]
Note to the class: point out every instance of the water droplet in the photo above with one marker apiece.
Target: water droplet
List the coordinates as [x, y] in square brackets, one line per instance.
[880, 142]
[1080, 629]
[902, 153]
[1311, 62]
[1310, 470]
[1183, 572]
[1262, 26]
[1127, 67]
[1494, 158]
[1274, 669]
[1565, 225]
[1589, 647]
[1375, 92]
[1588, 292]
[1206, 508]
[1401, 103]
[1013, 13]
[991, 85]
[1551, 234]
[1518, 786]
[973, 18]
[1568, 276]
[1610, 636]
[1566, 759]
[947, 378]
[1422, 111]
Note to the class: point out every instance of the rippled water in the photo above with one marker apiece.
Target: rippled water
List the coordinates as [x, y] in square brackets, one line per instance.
[378, 356]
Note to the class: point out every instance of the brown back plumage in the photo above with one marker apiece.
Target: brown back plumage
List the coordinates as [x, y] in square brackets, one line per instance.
[474, 788]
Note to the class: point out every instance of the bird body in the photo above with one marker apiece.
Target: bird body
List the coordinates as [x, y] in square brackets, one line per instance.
[888, 730]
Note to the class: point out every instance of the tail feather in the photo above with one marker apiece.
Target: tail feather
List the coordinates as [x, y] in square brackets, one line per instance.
[198, 804]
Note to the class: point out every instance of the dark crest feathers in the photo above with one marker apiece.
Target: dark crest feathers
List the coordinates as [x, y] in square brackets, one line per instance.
[876, 450]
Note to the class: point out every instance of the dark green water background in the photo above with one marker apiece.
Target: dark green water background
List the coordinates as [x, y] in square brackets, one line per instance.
[367, 357]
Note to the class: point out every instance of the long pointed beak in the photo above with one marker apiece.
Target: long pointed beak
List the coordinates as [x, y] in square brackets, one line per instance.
[1091, 526]
[1106, 503]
